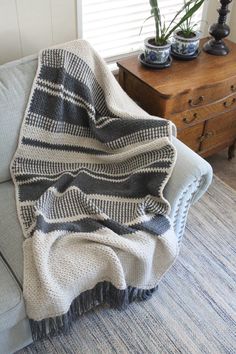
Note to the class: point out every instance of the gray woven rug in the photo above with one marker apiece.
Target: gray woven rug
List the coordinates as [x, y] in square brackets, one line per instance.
[193, 311]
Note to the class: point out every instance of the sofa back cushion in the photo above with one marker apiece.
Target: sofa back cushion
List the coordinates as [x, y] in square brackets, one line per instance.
[15, 84]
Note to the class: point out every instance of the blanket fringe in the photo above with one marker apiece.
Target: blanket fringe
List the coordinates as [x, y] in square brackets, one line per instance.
[102, 293]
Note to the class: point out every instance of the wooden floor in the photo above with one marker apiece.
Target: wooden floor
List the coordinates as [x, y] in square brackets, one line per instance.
[223, 168]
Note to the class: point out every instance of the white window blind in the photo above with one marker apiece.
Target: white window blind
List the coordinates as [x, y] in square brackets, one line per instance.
[113, 26]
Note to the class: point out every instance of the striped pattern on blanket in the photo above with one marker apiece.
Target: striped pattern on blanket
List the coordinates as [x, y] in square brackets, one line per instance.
[89, 171]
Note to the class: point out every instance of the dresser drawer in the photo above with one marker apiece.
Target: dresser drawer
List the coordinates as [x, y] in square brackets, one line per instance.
[191, 136]
[199, 114]
[195, 98]
[199, 96]
[219, 130]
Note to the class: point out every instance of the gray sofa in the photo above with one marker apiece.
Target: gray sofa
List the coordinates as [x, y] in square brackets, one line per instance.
[191, 177]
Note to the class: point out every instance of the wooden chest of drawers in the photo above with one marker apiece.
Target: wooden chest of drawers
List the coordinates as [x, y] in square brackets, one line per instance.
[199, 96]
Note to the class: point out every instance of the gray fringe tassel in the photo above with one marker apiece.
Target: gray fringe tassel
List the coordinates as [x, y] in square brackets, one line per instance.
[102, 293]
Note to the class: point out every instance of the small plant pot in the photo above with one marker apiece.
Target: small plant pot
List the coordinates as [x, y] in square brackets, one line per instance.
[185, 46]
[156, 54]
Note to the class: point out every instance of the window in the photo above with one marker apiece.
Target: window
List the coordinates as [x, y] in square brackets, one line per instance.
[113, 26]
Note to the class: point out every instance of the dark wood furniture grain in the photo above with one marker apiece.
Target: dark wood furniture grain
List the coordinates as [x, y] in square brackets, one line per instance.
[199, 96]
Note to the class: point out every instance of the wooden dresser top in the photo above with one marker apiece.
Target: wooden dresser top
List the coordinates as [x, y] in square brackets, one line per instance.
[183, 76]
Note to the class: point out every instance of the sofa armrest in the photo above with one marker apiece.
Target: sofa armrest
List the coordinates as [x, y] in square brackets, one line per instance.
[190, 179]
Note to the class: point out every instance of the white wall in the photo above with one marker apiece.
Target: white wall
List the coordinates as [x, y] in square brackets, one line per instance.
[233, 22]
[26, 26]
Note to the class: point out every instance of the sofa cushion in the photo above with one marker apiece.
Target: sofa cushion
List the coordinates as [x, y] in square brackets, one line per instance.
[11, 237]
[15, 83]
[12, 308]
[15, 338]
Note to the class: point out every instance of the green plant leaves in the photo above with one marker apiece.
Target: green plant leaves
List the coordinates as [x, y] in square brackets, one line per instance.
[189, 11]
[163, 32]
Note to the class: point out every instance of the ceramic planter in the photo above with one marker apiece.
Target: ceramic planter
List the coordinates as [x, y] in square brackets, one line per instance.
[185, 46]
[156, 54]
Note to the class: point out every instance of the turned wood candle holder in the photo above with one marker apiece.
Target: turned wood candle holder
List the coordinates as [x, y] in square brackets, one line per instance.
[219, 31]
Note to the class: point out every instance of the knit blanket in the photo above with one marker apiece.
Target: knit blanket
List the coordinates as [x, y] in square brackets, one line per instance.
[89, 173]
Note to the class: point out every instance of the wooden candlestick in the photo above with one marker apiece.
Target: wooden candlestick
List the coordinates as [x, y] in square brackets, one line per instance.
[219, 31]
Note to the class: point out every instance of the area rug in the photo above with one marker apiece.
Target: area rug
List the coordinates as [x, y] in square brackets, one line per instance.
[194, 310]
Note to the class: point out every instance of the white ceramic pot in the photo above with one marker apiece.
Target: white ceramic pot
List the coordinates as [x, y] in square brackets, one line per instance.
[156, 54]
[185, 46]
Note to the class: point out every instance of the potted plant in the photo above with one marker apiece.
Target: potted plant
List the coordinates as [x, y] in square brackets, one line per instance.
[157, 49]
[186, 38]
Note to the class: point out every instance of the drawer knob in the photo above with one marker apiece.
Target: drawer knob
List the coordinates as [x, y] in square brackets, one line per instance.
[230, 103]
[233, 88]
[199, 100]
[190, 120]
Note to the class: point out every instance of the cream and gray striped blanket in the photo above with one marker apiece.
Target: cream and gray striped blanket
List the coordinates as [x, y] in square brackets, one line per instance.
[89, 172]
